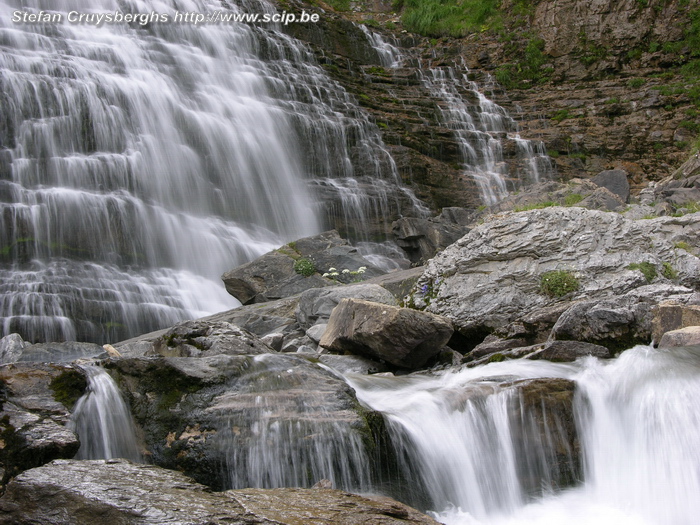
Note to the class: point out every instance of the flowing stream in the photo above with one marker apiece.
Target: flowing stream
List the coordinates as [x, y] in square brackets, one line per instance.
[638, 428]
[103, 421]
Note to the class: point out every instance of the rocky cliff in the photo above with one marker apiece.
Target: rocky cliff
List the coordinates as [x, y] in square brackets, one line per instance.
[604, 85]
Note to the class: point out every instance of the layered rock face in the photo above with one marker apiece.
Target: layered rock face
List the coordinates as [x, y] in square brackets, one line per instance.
[492, 278]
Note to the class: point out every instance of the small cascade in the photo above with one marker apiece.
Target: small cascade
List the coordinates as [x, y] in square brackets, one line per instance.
[477, 455]
[389, 55]
[483, 129]
[492, 151]
[465, 440]
[103, 421]
[291, 436]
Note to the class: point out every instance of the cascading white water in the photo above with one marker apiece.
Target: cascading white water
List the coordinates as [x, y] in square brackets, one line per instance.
[102, 420]
[139, 162]
[481, 127]
[639, 432]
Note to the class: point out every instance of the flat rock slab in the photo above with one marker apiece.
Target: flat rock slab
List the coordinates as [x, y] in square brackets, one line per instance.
[123, 493]
[401, 336]
[689, 336]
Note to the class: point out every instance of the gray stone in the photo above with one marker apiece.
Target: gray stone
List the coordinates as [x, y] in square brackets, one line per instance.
[32, 420]
[11, 347]
[490, 279]
[274, 340]
[688, 336]
[272, 275]
[352, 364]
[119, 492]
[60, 352]
[603, 199]
[565, 351]
[316, 332]
[673, 316]
[401, 336]
[616, 182]
[197, 338]
[315, 306]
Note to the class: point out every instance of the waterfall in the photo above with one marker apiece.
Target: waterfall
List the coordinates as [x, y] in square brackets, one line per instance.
[139, 162]
[462, 443]
[482, 129]
[287, 436]
[102, 420]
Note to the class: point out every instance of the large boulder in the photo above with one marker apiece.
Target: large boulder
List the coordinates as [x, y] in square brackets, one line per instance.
[120, 492]
[315, 306]
[226, 419]
[670, 316]
[401, 336]
[11, 347]
[35, 404]
[273, 275]
[689, 336]
[492, 278]
[617, 322]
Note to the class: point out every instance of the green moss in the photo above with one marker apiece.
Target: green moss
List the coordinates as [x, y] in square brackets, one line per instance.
[496, 358]
[648, 270]
[68, 387]
[558, 283]
[561, 114]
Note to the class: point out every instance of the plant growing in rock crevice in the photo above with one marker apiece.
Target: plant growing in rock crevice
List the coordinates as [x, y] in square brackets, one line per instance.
[304, 267]
[648, 270]
[558, 283]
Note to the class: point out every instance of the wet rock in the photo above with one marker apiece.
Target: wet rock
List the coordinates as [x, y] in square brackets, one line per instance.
[120, 492]
[689, 336]
[422, 238]
[35, 403]
[226, 420]
[352, 364]
[544, 414]
[493, 344]
[315, 306]
[60, 352]
[566, 351]
[401, 336]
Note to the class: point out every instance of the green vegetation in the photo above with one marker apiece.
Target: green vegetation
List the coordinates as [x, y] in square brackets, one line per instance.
[572, 198]
[558, 283]
[669, 271]
[561, 114]
[448, 17]
[340, 5]
[636, 83]
[304, 267]
[535, 206]
[682, 245]
[687, 207]
[648, 270]
[529, 68]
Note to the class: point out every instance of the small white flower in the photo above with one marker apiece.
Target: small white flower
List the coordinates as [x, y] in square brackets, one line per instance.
[331, 269]
[346, 271]
[326, 274]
